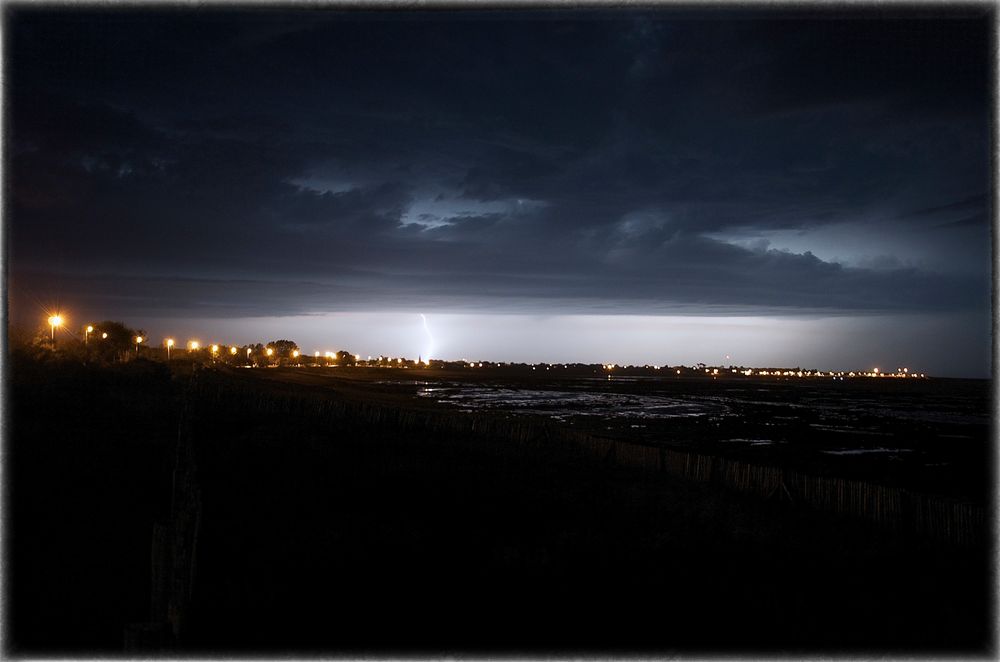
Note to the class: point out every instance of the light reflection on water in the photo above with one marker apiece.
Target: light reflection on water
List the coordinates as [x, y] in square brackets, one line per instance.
[560, 404]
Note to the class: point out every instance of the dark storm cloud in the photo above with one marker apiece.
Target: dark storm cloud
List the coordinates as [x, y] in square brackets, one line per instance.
[635, 160]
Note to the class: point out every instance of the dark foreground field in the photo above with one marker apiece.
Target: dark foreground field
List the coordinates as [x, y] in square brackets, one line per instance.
[295, 529]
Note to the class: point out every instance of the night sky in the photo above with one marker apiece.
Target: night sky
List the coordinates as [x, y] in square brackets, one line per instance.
[632, 186]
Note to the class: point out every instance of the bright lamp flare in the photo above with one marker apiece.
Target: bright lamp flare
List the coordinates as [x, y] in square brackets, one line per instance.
[170, 342]
[232, 350]
[56, 320]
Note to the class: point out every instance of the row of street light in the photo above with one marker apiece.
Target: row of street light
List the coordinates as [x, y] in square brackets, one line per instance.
[57, 320]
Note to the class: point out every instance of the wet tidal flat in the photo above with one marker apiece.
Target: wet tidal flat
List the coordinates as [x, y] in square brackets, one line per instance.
[931, 435]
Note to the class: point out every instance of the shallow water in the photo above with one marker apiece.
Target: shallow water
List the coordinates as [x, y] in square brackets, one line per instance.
[561, 404]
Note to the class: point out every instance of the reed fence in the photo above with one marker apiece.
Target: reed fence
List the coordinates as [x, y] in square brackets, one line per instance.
[932, 516]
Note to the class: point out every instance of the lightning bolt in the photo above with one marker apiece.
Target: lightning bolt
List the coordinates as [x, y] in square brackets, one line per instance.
[430, 338]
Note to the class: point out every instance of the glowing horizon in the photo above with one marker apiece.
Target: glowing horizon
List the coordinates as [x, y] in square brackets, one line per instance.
[753, 341]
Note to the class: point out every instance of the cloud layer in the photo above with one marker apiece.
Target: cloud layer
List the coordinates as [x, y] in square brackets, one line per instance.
[265, 163]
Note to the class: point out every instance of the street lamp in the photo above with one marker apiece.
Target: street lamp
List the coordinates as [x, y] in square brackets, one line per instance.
[170, 343]
[54, 321]
[215, 350]
[104, 336]
[86, 333]
[138, 339]
[232, 350]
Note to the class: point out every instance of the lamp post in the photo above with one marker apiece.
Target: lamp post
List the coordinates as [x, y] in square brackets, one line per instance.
[248, 355]
[54, 321]
[86, 333]
[170, 343]
[138, 339]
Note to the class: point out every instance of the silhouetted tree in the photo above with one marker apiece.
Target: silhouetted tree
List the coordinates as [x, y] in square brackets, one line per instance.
[345, 358]
[283, 348]
[257, 355]
[111, 341]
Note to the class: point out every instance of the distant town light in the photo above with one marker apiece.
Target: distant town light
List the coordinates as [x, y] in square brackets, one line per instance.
[295, 353]
[232, 350]
[269, 351]
[104, 335]
[215, 349]
[90, 329]
[193, 345]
